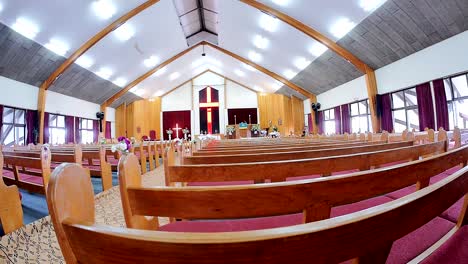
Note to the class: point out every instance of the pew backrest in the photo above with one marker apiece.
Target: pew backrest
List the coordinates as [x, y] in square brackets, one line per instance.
[11, 212]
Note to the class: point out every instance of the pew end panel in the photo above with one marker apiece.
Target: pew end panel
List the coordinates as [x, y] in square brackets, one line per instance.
[11, 212]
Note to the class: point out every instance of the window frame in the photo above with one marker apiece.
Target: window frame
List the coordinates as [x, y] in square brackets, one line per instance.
[405, 107]
[51, 128]
[81, 129]
[451, 102]
[367, 114]
[15, 125]
[331, 111]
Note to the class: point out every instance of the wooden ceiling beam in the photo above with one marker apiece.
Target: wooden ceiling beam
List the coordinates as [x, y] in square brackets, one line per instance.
[345, 54]
[233, 55]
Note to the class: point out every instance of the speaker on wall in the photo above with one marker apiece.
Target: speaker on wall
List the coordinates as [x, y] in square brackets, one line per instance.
[316, 108]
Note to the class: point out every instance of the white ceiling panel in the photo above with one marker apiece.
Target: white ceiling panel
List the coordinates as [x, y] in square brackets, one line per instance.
[212, 5]
[184, 6]
[70, 21]
[321, 15]
[157, 33]
[279, 50]
[193, 63]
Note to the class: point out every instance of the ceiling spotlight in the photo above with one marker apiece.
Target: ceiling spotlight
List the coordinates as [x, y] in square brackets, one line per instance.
[160, 71]
[341, 27]
[124, 32]
[258, 89]
[370, 5]
[120, 81]
[203, 52]
[268, 23]
[151, 61]
[25, 27]
[104, 9]
[318, 49]
[289, 74]
[174, 76]
[248, 67]
[261, 42]
[301, 63]
[57, 46]
[84, 61]
[104, 73]
[254, 56]
[239, 73]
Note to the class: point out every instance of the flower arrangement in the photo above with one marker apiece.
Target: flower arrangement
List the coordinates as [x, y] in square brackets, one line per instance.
[275, 129]
[102, 141]
[133, 140]
[185, 131]
[123, 146]
[169, 131]
[255, 128]
[230, 130]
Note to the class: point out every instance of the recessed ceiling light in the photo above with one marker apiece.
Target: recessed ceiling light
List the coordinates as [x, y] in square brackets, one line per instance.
[261, 42]
[239, 73]
[124, 32]
[1, 7]
[269, 23]
[258, 89]
[248, 67]
[370, 5]
[341, 27]
[140, 92]
[289, 74]
[104, 9]
[25, 27]
[214, 62]
[151, 61]
[57, 46]
[254, 56]
[301, 63]
[84, 61]
[281, 2]
[120, 82]
[174, 76]
[104, 73]
[158, 93]
[198, 63]
[277, 84]
[318, 49]
[160, 71]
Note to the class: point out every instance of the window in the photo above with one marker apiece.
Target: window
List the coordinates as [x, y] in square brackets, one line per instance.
[329, 121]
[14, 127]
[86, 130]
[360, 117]
[405, 110]
[56, 129]
[456, 90]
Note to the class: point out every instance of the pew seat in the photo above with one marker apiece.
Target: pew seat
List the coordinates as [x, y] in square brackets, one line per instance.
[454, 251]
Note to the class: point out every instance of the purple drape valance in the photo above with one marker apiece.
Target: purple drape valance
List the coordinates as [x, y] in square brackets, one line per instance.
[441, 104]
[425, 106]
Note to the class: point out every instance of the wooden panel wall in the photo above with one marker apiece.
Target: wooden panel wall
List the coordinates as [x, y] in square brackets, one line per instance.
[120, 120]
[140, 117]
[273, 107]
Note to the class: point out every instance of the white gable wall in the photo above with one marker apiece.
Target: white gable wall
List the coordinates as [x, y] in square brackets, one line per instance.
[238, 96]
[179, 99]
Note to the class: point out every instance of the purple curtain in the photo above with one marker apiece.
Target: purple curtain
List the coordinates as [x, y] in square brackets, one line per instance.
[46, 128]
[441, 104]
[386, 111]
[425, 106]
[337, 120]
[1, 121]
[95, 131]
[77, 130]
[31, 126]
[309, 121]
[320, 122]
[108, 130]
[346, 117]
[69, 129]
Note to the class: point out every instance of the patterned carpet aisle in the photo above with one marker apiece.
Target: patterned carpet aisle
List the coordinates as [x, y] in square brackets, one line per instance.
[37, 243]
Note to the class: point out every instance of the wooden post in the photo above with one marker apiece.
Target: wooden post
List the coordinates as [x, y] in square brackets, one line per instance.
[371, 84]
[41, 99]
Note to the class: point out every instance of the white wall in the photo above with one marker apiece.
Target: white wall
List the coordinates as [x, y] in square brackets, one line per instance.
[67, 105]
[238, 96]
[18, 94]
[444, 58]
[179, 99]
[345, 93]
[307, 108]
[440, 60]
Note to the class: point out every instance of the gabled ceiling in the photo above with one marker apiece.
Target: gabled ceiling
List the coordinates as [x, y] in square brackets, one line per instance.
[395, 30]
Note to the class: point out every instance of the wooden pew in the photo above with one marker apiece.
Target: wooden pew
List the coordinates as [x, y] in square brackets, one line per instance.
[11, 212]
[139, 150]
[314, 197]
[101, 169]
[283, 148]
[366, 235]
[28, 173]
[305, 154]
[280, 170]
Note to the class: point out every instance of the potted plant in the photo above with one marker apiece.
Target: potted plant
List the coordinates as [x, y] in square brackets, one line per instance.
[169, 133]
[230, 130]
[255, 129]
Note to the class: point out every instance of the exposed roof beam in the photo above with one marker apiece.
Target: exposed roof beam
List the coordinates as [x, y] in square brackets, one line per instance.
[262, 69]
[201, 16]
[235, 56]
[309, 32]
[95, 39]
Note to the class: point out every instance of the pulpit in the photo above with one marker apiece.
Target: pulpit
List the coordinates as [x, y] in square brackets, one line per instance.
[243, 130]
